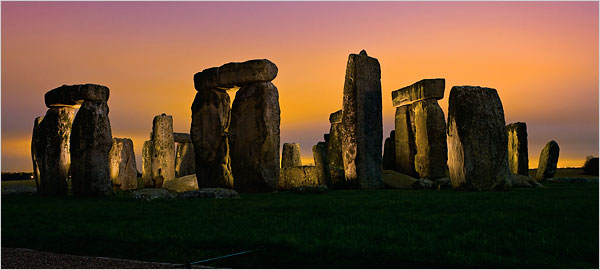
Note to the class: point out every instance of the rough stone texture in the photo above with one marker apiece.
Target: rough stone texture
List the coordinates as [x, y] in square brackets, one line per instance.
[423, 89]
[389, 152]
[334, 151]
[590, 167]
[518, 157]
[123, 172]
[74, 95]
[36, 140]
[298, 176]
[182, 137]
[91, 141]
[290, 155]
[430, 139]
[213, 193]
[185, 163]
[147, 163]
[52, 150]
[362, 122]
[423, 184]
[149, 194]
[235, 74]
[477, 152]
[548, 161]
[163, 150]
[321, 162]
[397, 180]
[254, 133]
[210, 123]
[182, 184]
[405, 141]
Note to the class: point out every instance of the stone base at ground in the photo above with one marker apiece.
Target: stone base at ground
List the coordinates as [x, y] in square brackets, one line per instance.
[182, 184]
[397, 180]
[298, 176]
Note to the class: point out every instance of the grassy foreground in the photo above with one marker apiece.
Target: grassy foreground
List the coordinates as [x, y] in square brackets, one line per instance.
[551, 227]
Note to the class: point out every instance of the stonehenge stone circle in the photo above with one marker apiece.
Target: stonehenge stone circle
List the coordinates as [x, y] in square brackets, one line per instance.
[362, 122]
[254, 137]
[163, 150]
[518, 157]
[209, 132]
[548, 161]
[290, 155]
[298, 176]
[389, 152]
[147, 163]
[321, 162]
[477, 140]
[334, 151]
[235, 74]
[35, 140]
[185, 162]
[123, 171]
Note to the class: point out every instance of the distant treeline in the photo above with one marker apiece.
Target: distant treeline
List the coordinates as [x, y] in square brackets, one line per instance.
[16, 176]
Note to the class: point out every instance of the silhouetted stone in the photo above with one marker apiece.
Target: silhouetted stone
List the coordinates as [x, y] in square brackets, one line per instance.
[362, 122]
[389, 152]
[405, 141]
[548, 161]
[147, 163]
[185, 162]
[163, 150]
[423, 89]
[298, 176]
[290, 155]
[334, 151]
[430, 139]
[35, 141]
[123, 172]
[52, 150]
[210, 121]
[254, 133]
[518, 157]
[74, 95]
[91, 141]
[590, 167]
[321, 162]
[477, 152]
[235, 74]
[182, 137]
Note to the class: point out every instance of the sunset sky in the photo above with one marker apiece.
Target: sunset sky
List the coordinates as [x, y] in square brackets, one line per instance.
[542, 57]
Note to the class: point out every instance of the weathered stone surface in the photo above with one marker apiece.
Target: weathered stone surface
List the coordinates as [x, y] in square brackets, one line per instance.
[421, 90]
[389, 152]
[397, 180]
[182, 137]
[36, 140]
[362, 122]
[52, 150]
[298, 176]
[91, 141]
[235, 74]
[147, 163]
[590, 167]
[548, 161]
[290, 155]
[163, 150]
[74, 95]
[149, 194]
[123, 172]
[254, 133]
[518, 157]
[321, 162]
[423, 184]
[212, 193]
[477, 152]
[430, 139]
[405, 141]
[334, 152]
[210, 123]
[336, 117]
[182, 184]
[185, 163]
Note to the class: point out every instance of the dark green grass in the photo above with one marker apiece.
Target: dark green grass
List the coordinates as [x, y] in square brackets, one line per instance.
[551, 227]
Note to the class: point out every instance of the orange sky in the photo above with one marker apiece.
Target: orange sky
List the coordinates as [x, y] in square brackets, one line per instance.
[542, 57]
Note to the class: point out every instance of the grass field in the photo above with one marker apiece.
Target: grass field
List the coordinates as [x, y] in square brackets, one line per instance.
[551, 227]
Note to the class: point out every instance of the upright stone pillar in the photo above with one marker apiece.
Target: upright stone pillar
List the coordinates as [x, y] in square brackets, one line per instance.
[163, 150]
[35, 141]
[477, 152]
[147, 163]
[185, 163]
[518, 156]
[548, 161]
[123, 171]
[389, 152]
[334, 151]
[321, 163]
[290, 155]
[362, 122]
[405, 141]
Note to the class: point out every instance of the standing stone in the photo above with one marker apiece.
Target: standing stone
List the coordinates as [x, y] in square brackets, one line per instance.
[35, 140]
[254, 131]
[147, 163]
[290, 155]
[430, 139]
[185, 162]
[210, 123]
[123, 171]
[548, 161]
[405, 141]
[362, 122]
[321, 163]
[53, 152]
[518, 157]
[334, 151]
[91, 141]
[163, 150]
[389, 152]
[477, 152]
